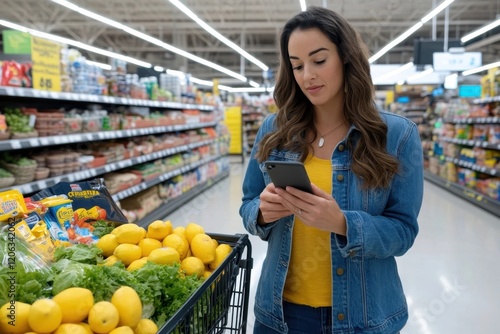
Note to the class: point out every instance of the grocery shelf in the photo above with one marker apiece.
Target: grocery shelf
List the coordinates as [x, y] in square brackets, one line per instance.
[162, 178]
[35, 186]
[76, 97]
[487, 203]
[173, 204]
[486, 100]
[469, 142]
[17, 144]
[473, 166]
[474, 120]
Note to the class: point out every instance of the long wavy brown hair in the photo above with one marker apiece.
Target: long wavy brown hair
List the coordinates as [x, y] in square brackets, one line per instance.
[370, 160]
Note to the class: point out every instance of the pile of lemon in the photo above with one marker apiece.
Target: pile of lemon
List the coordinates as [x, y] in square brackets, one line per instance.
[73, 311]
[197, 253]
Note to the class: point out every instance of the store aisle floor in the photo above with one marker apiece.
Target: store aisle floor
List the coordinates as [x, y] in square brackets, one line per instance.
[450, 276]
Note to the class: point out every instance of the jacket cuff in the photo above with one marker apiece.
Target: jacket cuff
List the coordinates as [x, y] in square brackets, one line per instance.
[351, 244]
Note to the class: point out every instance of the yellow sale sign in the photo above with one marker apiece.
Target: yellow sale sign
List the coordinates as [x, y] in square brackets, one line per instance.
[46, 58]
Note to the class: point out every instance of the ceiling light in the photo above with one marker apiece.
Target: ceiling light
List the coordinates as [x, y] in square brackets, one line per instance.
[217, 35]
[303, 5]
[150, 39]
[159, 68]
[76, 44]
[253, 83]
[410, 31]
[393, 72]
[101, 65]
[480, 31]
[481, 68]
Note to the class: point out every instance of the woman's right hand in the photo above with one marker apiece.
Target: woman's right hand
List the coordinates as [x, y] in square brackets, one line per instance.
[271, 207]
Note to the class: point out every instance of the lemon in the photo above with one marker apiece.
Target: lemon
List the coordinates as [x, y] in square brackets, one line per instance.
[164, 255]
[70, 329]
[75, 304]
[128, 253]
[148, 244]
[206, 274]
[107, 243]
[178, 243]
[129, 306]
[193, 229]
[14, 318]
[180, 231]
[45, 315]
[137, 264]
[103, 317]
[87, 328]
[203, 248]
[129, 233]
[221, 252]
[122, 330]
[193, 266]
[110, 260]
[146, 326]
[159, 229]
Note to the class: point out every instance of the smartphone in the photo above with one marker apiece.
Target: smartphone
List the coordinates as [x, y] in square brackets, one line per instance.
[289, 173]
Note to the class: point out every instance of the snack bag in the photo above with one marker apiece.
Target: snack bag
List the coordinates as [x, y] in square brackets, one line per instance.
[12, 205]
[90, 200]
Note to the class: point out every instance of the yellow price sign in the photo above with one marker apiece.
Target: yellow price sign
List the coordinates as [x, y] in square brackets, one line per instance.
[46, 58]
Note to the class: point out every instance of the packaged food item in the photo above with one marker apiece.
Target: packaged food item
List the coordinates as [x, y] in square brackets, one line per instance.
[92, 196]
[11, 205]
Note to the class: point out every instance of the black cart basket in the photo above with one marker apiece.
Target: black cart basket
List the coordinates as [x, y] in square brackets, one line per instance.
[220, 304]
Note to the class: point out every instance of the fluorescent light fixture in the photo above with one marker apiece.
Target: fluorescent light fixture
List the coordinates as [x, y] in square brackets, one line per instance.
[176, 73]
[420, 74]
[480, 31]
[481, 68]
[253, 83]
[150, 39]
[400, 83]
[393, 72]
[303, 5]
[101, 65]
[76, 44]
[159, 68]
[217, 35]
[410, 31]
[436, 10]
[202, 82]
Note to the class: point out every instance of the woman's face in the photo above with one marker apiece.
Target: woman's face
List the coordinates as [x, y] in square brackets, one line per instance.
[317, 67]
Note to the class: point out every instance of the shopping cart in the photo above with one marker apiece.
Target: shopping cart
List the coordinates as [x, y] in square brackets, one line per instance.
[220, 304]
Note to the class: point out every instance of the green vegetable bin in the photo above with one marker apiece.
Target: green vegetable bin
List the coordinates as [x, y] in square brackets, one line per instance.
[220, 304]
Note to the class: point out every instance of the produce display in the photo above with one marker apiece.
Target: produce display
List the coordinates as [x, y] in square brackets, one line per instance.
[72, 269]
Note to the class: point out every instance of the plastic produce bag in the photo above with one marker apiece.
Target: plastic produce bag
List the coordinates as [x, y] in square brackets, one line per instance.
[24, 275]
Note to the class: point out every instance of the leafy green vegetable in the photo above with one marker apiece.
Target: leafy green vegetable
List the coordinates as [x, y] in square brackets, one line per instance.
[102, 227]
[69, 272]
[82, 253]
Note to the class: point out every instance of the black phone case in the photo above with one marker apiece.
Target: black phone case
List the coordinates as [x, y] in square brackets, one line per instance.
[288, 173]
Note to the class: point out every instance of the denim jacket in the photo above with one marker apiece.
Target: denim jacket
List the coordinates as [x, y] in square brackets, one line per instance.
[367, 295]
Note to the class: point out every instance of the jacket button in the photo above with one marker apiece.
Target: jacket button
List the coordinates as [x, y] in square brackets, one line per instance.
[341, 316]
[340, 177]
[341, 148]
[340, 271]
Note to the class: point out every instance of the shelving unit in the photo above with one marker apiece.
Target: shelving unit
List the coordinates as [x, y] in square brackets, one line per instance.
[31, 97]
[252, 120]
[458, 157]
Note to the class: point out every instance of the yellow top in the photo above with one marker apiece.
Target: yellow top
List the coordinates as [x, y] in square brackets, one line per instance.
[309, 278]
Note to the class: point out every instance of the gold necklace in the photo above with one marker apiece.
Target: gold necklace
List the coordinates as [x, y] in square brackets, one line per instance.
[321, 141]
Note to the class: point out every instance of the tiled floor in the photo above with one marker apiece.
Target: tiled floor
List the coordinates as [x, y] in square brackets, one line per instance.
[451, 275]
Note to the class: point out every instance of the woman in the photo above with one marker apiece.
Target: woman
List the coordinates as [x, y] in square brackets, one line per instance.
[330, 265]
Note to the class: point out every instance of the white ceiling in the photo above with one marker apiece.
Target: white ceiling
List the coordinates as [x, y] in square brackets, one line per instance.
[252, 24]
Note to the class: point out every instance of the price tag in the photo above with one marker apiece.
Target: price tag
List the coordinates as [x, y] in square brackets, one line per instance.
[15, 144]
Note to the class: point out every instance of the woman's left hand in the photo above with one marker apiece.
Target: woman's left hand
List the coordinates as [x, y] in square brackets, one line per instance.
[318, 209]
